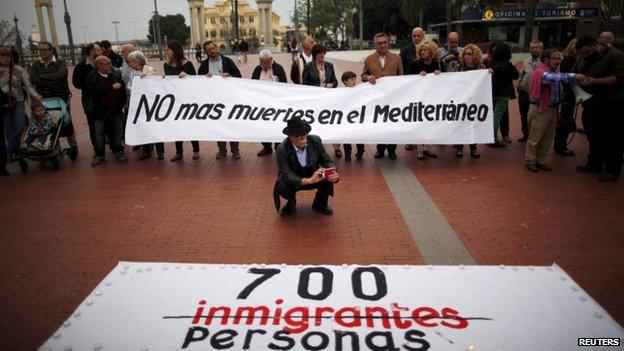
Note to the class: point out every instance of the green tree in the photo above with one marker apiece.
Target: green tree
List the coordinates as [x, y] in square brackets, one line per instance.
[414, 11]
[328, 18]
[171, 27]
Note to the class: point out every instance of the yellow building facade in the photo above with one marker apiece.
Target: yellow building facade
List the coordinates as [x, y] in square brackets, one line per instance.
[218, 24]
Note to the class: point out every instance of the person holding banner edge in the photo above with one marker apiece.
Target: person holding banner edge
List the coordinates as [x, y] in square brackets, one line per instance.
[303, 164]
[179, 66]
[218, 65]
[272, 71]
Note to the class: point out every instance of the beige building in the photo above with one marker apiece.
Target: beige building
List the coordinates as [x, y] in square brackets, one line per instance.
[218, 24]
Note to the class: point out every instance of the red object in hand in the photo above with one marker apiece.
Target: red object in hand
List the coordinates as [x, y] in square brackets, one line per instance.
[329, 172]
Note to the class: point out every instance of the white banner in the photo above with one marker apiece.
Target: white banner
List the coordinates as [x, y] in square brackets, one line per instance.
[174, 306]
[451, 108]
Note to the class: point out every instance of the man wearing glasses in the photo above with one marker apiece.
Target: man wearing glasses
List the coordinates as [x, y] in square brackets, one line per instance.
[49, 76]
[303, 164]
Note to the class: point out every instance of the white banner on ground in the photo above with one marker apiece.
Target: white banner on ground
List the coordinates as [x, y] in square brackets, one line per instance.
[451, 108]
[174, 306]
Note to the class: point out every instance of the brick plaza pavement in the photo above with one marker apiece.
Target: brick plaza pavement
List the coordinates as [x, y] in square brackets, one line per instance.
[61, 232]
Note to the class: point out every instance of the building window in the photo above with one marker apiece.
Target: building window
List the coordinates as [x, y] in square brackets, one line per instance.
[243, 32]
[251, 19]
[222, 20]
[213, 20]
[242, 19]
[213, 33]
[252, 32]
[223, 32]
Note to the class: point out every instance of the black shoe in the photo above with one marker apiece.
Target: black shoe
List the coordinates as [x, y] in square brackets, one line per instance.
[73, 152]
[392, 155]
[544, 167]
[566, 152]
[608, 177]
[459, 153]
[265, 151]
[430, 154]
[475, 154]
[532, 167]
[379, 154]
[347, 156]
[588, 169]
[289, 208]
[338, 153]
[358, 156]
[409, 147]
[326, 210]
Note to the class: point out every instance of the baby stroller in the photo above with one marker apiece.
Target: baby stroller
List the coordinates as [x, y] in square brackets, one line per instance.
[57, 109]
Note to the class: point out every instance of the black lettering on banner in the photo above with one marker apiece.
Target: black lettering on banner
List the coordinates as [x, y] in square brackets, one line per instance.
[353, 336]
[192, 109]
[172, 101]
[472, 109]
[309, 116]
[190, 336]
[282, 335]
[305, 341]
[222, 343]
[482, 114]
[352, 116]
[461, 111]
[324, 117]
[266, 274]
[326, 284]
[394, 114]
[415, 337]
[148, 111]
[218, 110]
[381, 111]
[268, 113]
[249, 335]
[380, 283]
[297, 113]
[241, 111]
[389, 341]
[429, 109]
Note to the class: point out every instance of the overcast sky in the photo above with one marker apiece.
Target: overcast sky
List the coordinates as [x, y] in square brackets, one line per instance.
[92, 18]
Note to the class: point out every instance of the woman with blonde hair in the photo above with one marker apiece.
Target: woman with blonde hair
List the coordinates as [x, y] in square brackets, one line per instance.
[470, 59]
[14, 80]
[427, 61]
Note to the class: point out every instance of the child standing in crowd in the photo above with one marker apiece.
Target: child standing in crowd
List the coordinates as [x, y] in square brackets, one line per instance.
[349, 80]
[40, 129]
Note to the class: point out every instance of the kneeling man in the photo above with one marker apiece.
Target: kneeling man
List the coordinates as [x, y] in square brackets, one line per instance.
[303, 165]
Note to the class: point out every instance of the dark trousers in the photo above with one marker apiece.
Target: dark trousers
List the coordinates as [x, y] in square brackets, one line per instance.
[147, 148]
[223, 145]
[3, 153]
[565, 125]
[604, 128]
[111, 124]
[523, 106]
[504, 123]
[382, 148]
[360, 148]
[268, 145]
[89, 121]
[324, 189]
[179, 145]
[473, 147]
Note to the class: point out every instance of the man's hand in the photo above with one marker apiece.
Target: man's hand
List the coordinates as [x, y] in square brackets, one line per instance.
[316, 177]
[371, 79]
[334, 177]
[423, 73]
[225, 75]
[580, 77]
[453, 58]
[209, 75]
[182, 75]
[116, 86]
[329, 85]
[436, 72]
[587, 81]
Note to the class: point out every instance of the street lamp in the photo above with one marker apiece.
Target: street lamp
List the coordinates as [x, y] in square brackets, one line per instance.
[157, 31]
[70, 36]
[84, 33]
[308, 18]
[134, 28]
[18, 37]
[116, 32]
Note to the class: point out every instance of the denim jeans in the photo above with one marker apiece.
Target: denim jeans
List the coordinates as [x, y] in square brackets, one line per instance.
[14, 126]
[111, 124]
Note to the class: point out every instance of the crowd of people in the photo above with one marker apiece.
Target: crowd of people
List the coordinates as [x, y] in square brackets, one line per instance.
[547, 92]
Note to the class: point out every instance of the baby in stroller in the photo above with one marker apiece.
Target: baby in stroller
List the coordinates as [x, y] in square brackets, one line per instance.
[40, 130]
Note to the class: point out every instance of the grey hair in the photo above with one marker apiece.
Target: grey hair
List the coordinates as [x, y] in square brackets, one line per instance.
[379, 35]
[265, 54]
[137, 55]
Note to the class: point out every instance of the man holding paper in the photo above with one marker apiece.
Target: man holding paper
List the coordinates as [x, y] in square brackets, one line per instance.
[303, 164]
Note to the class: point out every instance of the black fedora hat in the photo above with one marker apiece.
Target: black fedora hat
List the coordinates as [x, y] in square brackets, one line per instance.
[296, 126]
